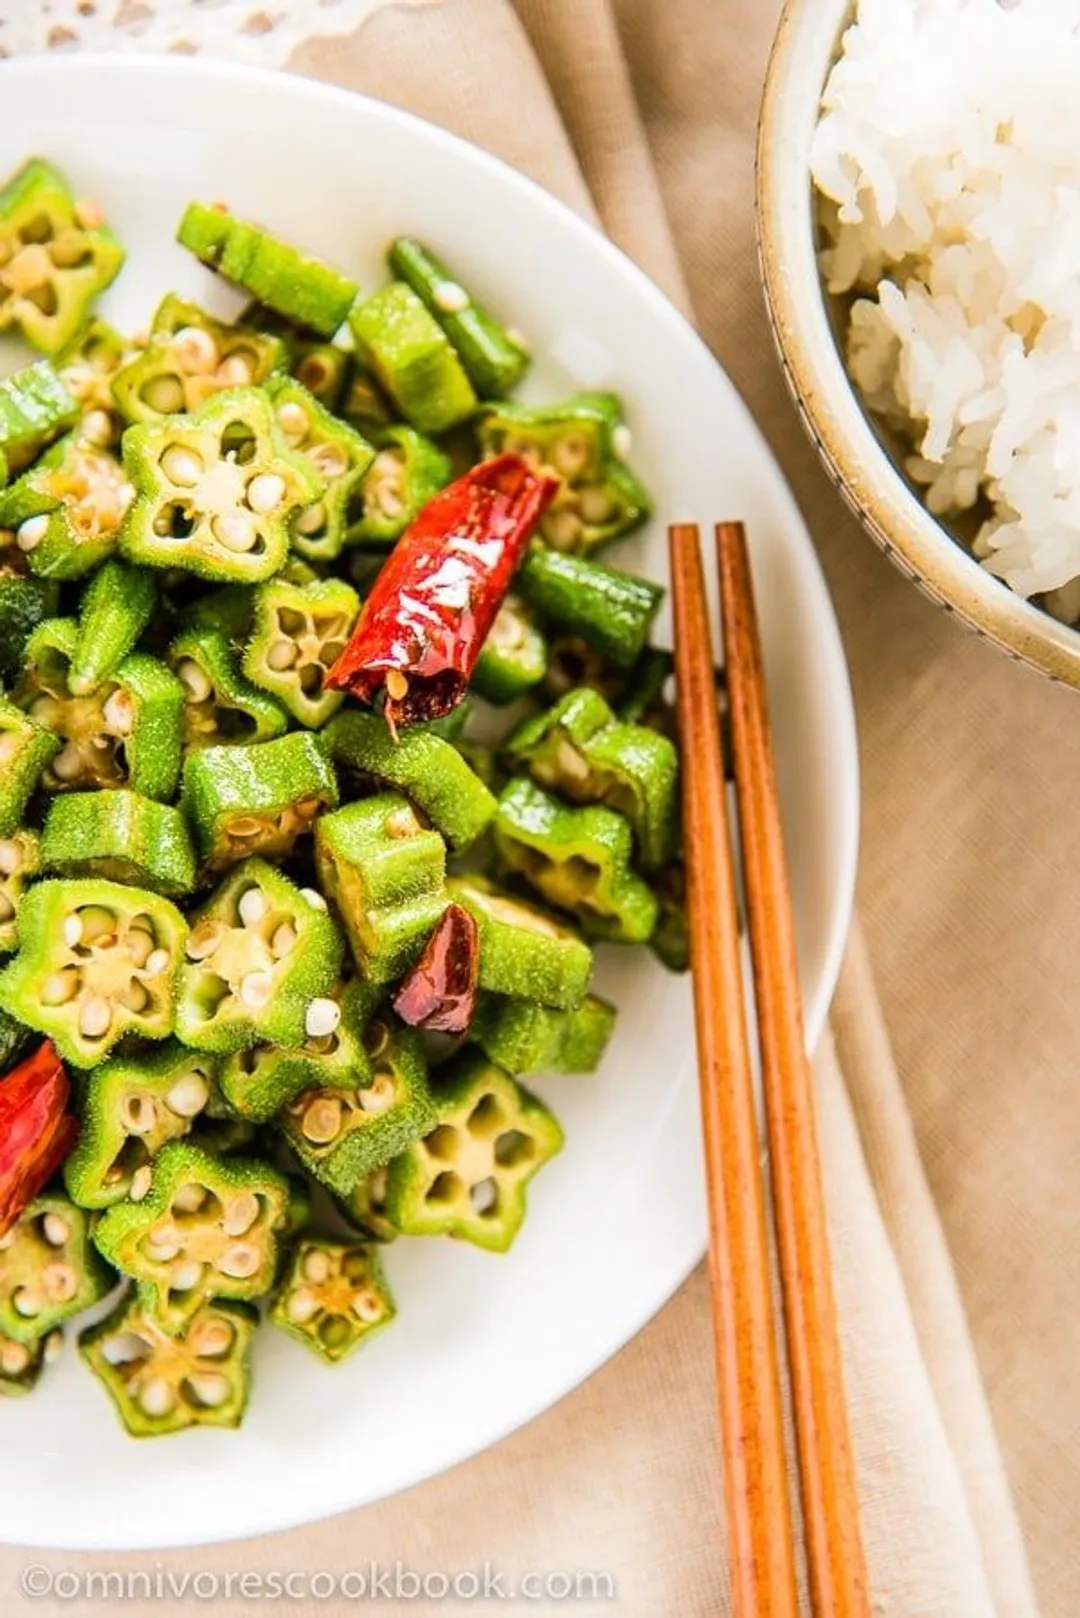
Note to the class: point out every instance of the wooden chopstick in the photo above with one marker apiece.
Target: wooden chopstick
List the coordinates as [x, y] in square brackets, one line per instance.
[835, 1555]
[760, 1531]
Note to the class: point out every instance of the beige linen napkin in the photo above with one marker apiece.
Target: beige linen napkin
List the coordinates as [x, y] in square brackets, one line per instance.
[644, 110]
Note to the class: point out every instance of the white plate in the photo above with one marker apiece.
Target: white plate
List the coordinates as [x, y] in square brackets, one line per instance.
[481, 1344]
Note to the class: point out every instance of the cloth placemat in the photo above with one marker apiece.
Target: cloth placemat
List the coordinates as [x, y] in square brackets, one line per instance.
[946, 1148]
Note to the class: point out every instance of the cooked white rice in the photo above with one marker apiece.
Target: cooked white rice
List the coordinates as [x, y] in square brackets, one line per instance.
[948, 161]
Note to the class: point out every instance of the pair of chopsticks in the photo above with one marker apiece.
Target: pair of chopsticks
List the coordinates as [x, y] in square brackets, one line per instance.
[761, 1530]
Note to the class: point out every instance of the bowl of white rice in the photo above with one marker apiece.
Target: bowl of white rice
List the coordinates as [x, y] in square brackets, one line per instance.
[919, 220]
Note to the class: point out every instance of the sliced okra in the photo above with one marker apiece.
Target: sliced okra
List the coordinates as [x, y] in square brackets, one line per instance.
[163, 1383]
[407, 470]
[122, 836]
[95, 961]
[256, 799]
[609, 609]
[56, 255]
[365, 1208]
[220, 705]
[342, 1134]
[670, 943]
[189, 359]
[68, 509]
[127, 732]
[227, 609]
[215, 491]
[333, 1297]
[430, 772]
[468, 1176]
[495, 358]
[580, 751]
[385, 873]
[644, 699]
[514, 658]
[49, 1269]
[35, 408]
[259, 1081]
[363, 404]
[20, 861]
[323, 369]
[21, 1364]
[413, 359]
[131, 1108]
[524, 951]
[116, 607]
[299, 632]
[522, 1037]
[206, 1228]
[337, 456]
[259, 957]
[303, 288]
[26, 751]
[25, 602]
[87, 366]
[583, 442]
[578, 859]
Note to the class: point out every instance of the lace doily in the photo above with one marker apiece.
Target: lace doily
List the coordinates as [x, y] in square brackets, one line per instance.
[259, 31]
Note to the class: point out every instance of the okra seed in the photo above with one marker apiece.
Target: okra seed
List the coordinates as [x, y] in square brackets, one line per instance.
[596, 505]
[140, 1183]
[376, 1039]
[562, 528]
[314, 898]
[388, 499]
[302, 1306]
[241, 1213]
[235, 372]
[55, 1230]
[210, 1338]
[283, 941]
[95, 1017]
[570, 455]
[14, 1358]
[135, 998]
[186, 1276]
[195, 681]
[59, 988]
[402, 823]
[450, 297]
[366, 1307]
[10, 744]
[118, 712]
[239, 1262]
[98, 924]
[139, 945]
[30, 533]
[44, 710]
[622, 441]
[236, 533]
[89, 213]
[165, 394]
[123, 1349]
[293, 419]
[161, 1252]
[27, 1302]
[282, 655]
[323, 1017]
[204, 941]
[484, 1196]
[158, 961]
[60, 1282]
[265, 492]
[97, 426]
[252, 907]
[316, 1267]
[190, 1198]
[378, 1096]
[210, 1389]
[321, 1122]
[256, 989]
[54, 1347]
[11, 856]
[519, 339]
[246, 826]
[73, 930]
[139, 1114]
[196, 350]
[329, 460]
[156, 1397]
[189, 1096]
[312, 519]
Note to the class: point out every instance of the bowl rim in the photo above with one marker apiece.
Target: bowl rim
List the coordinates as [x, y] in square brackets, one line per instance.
[827, 401]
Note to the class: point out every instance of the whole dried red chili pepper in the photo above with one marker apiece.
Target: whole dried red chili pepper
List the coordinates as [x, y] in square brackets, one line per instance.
[36, 1130]
[439, 992]
[430, 609]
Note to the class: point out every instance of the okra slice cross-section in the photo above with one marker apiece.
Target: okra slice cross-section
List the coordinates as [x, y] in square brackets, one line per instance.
[258, 1081]
[407, 470]
[364, 1207]
[333, 1297]
[256, 799]
[122, 836]
[26, 749]
[524, 950]
[86, 366]
[160, 1383]
[95, 961]
[20, 860]
[514, 658]
[522, 1037]
[468, 1176]
[68, 509]
[261, 952]
[21, 1364]
[299, 633]
[337, 455]
[35, 408]
[191, 357]
[220, 705]
[49, 1269]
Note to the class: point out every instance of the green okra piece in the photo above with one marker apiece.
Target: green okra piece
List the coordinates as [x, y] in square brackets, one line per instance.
[342, 1134]
[514, 657]
[49, 1270]
[578, 859]
[364, 1207]
[160, 1383]
[338, 458]
[122, 836]
[56, 255]
[221, 707]
[298, 634]
[495, 358]
[385, 873]
[522, 1037]
[644, 700]
[205, 1228]
[190, 358]
[256, 799]
[524, 950]
[25, 602]
[127, 732]
[259, 1081]
[670, 943]
[215, 490]
[333, 1297]
[260, 956]
[116, 607]
[130, 1108]
[15, 1040]
[68, 509]
[86, 366]
[407, 470]
[583, 442]
[609, 609]
[468, 1177]
[303, 288]
[580, 751]
[21, 1364]
[363, 404]
[26, 751]
[95, 961]
[323, 369]
[35, 408]
[20, 862]
[428, 770]
[412, 358]
[228, 609]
